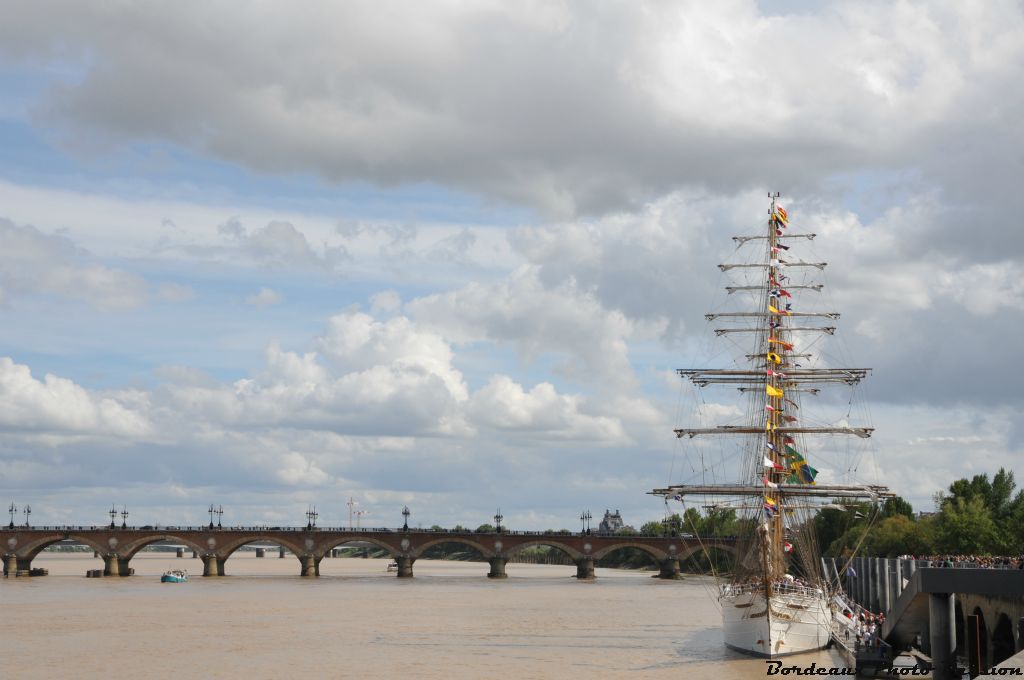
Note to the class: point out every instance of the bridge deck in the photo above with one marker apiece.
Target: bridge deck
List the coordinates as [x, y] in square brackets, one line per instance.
[910, 614]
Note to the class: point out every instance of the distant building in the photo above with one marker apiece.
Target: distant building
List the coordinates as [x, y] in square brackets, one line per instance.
[611, 523]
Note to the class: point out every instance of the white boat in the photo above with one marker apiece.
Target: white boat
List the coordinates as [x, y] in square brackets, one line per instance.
[174, 576]
[777, 600]
[798, 619]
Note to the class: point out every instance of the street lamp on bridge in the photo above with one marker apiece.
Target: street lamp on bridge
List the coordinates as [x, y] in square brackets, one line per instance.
[359, 517]
[497, 521]
[124, 516]
[211, 511]
[405, 514]
[13, 509]
[311, 515]
[220, 513]
[113, 514]
[585, 518]
[28, 511]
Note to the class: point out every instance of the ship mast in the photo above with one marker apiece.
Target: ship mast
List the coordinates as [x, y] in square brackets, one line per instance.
[776, 374]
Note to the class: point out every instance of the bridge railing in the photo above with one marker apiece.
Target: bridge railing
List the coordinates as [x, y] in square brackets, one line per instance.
[67, 528]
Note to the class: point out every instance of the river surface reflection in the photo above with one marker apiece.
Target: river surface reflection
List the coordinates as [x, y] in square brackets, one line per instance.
[450, 621]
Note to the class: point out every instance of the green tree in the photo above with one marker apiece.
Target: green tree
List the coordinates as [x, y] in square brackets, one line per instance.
[897, 506]
[897, 535]
[485, 529]
[652, 529]
[965, 525]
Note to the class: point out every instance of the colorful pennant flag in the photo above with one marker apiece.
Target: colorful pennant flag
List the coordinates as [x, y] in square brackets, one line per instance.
[787, 546]
[773, 392]
[769, 483]
[804, 473]
[774, 358]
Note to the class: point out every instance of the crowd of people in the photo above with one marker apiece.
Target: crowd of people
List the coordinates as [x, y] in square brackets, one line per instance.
[864, 627]
[969, 561]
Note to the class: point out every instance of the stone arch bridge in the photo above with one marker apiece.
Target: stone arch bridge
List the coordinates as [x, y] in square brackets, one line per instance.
[117, 546]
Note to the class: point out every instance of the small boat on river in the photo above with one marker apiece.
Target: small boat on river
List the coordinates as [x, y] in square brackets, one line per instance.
[174, 576]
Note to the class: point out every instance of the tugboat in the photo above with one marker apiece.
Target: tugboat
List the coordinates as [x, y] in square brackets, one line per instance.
[174, 576]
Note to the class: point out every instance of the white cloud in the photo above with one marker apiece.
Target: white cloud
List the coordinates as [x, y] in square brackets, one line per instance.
[504, 405]
[32, 262]
[600, 107]
[59, 406]
[385, 301]
[535, 319]
[265, 298]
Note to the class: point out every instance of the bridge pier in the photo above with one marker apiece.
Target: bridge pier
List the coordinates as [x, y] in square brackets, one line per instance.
[942, 634]
[111, 565]
[498, 567]
[10, 565]
[670, 569]
[212, 566]
[585, 569]
[404, 566]
[310, 568]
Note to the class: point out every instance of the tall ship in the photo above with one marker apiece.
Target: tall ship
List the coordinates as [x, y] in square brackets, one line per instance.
[777, 598]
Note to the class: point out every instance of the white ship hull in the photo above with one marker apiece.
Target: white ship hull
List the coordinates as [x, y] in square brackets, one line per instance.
[798, 620]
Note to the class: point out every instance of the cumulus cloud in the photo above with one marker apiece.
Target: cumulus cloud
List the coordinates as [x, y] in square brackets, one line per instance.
[504, 405]
[279, 244]
[33, 262]
[535, 319]
[59, 406]
[265, 298]
[596, 108]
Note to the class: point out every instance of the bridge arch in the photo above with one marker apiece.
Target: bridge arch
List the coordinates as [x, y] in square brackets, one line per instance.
[129, 550]
[544, 542]
[655, 554]
[689, 551]
[711, 557]
[225, 551]
[1003, 644]
[462, 540]
[326, 546]
[33, 548]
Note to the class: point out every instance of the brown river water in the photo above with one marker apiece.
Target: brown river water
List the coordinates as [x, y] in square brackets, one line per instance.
[357, 621]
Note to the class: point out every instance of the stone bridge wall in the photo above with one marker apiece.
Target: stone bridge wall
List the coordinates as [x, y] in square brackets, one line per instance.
[117, 546]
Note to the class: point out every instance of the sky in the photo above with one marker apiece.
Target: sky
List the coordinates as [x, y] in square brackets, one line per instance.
[448, 255]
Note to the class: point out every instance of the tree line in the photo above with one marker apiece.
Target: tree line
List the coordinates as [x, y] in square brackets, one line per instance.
[976, 516]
